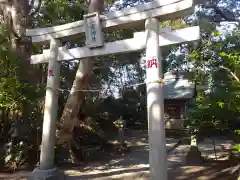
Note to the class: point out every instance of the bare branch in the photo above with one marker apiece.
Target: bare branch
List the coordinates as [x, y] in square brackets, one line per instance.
[225, 13]
[233, 75]
[33, 10]
[31, 5]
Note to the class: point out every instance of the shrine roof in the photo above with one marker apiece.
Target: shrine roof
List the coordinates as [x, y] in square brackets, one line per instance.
[178, 87]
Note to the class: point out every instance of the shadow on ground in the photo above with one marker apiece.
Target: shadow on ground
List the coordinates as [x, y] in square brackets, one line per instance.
[134, 164]
[209, 171]
[213, 170]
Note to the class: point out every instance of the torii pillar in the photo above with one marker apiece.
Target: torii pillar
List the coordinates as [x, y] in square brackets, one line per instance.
[155, 103]
[47, 169]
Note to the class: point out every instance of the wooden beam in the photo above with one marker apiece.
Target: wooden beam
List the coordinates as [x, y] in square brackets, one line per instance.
[126, 18]
[136, 43]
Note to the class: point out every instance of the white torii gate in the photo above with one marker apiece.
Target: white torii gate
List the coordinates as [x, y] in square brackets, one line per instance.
[152, 38]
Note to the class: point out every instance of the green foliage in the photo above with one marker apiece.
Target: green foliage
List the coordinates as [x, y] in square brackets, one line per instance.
[176, 24]
[216, 63]
[237, 141]
[236, 148]
[10, 86]
[237, 132]
[56, 12]
[14, 98]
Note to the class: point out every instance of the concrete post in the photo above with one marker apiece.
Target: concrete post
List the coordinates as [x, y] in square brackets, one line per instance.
[47, 169]
[155, 103]
[50, 111]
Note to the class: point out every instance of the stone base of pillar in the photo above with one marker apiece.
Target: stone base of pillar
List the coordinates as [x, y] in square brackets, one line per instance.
[50, 174]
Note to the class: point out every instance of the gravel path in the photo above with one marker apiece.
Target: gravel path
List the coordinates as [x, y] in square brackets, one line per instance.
[134, 165]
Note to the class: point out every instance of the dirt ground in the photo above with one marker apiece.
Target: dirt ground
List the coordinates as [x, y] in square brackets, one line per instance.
[134, 165]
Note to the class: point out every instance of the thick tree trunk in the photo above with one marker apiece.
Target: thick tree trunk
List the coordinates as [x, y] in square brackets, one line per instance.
[75, 99]
[15, 16]
[72, 106]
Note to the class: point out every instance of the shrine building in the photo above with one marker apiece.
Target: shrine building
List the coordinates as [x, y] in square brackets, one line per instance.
[178, 93]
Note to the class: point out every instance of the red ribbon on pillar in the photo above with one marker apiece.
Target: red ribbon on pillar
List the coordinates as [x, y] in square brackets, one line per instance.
[50, 73]
[152, 62]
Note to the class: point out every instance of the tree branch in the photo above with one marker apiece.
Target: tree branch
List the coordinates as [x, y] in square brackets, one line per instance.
[35, 9]
[225, 13]
[233, 75]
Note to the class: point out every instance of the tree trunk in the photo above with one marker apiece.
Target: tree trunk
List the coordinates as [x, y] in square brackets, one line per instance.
[15, 16]
[75, 99]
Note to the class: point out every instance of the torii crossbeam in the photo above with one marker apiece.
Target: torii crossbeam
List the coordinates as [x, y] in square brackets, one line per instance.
[138, 42]
[126, 18]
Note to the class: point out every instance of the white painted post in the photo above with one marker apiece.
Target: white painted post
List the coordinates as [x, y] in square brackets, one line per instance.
[155, 103]
[50, 111]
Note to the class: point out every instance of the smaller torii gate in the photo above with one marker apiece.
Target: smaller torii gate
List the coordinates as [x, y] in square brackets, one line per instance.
[143, 16]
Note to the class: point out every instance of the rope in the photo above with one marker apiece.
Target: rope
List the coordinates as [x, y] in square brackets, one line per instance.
[159, 81]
